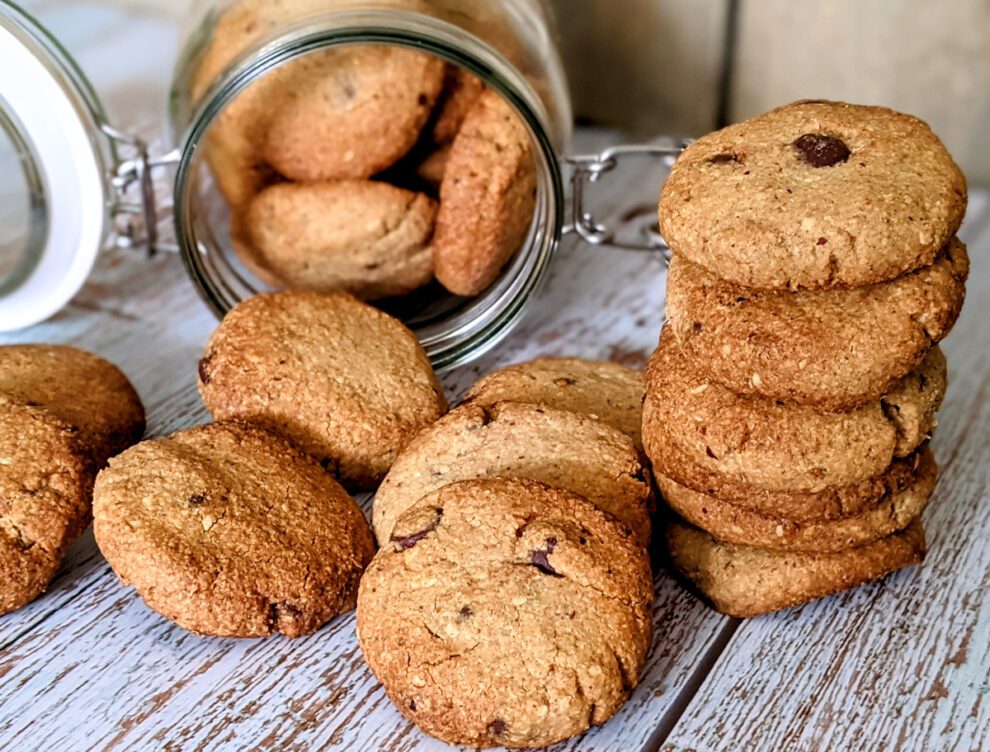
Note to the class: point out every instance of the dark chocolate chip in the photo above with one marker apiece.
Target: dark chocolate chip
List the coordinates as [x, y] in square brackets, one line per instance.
[822, 241]
[405, 542]
[423, 100]
[204, 369]
[710, 453]
[540, 558]
[464, 614]
[724, 159]
[820, 150]
[412, 704]
[196, 500]
[497, 727]
[698, 328]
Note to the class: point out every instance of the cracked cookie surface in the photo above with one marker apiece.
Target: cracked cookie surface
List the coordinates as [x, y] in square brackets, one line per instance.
[229, 530]
[82, 389]
[45, 485]
[560, 448]
[358, 236]
[701, 434]
[834, 349]
[507, 613]
[814, 194]
[608, 391]
[346, 382]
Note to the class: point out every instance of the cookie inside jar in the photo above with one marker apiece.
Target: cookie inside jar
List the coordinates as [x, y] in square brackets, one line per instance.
[381, 169]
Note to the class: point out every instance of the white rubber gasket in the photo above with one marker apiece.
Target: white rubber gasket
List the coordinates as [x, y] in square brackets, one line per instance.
[63, 143]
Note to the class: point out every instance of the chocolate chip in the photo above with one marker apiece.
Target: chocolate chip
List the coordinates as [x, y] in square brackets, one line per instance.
[423, 100]
[412, 704]
[822, 241]
[698, 328]
[405, 542]
[710, 453]
[724, 159]
[196, 500]
[820, 150]
[497, 727]
[464, 614]
[204, 369]
[540, 558]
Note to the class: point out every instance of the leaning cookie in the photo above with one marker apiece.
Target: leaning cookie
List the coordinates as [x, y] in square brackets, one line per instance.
[45, 485]
[557, 447]
[801, 197]
[358, 236]
[507, 613]
[701, 434]
[346, 382]
[834, 349]
[228, 530]
[461, 90]
[85, 391]
[608, 391]
[730, 523]
[487, 197]
[742, 581]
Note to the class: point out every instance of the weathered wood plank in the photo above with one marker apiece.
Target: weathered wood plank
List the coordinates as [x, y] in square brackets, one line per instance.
[905, 663]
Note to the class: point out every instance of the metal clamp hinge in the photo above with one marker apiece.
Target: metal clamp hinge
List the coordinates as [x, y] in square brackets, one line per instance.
[135, 208]
[590, 169]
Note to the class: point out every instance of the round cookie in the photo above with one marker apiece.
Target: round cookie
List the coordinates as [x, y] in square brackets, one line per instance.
[802, 197]
[560, 448]
[834, 349]
[352, 111]
[742, 581]
[507, 613]
[357, 236]
[461, 90]
[608, 391]
[228, 530]
[701, 434]
[45, 483]
[730, 523]
[487, 197]
[83, 390]
[347, 383]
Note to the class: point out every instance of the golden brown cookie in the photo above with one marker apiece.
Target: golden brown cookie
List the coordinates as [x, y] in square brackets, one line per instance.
[228, 530]
[834, 349]
[349, 384]
[461, 90]
[81, 389]
[608, 391]
[487, 198]
[358, 236]
[507, 613]
[814, 194]
[701, 434]
[731, 523]
[45, 484]
[557, 447]
[744, 582]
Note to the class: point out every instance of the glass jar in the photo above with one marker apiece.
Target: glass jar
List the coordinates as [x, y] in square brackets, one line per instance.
[74, 182]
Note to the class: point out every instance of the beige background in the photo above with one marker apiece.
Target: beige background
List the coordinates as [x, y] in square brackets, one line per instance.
[655, 65]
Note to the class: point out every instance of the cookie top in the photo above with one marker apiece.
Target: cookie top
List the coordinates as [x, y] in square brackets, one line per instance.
[347, 383]
[507, 613]
[487, 197]
[557, 447]
[461, 90]
[45, 483]
[228, 530]
[701, 434]
[743, 581]
[81, 389]
[358, 236]
[835, 349]
[905, 500]
[608, 391]
[814, 194]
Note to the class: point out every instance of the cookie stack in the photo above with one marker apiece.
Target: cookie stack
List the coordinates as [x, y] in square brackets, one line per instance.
[791, 400]
[510, 603]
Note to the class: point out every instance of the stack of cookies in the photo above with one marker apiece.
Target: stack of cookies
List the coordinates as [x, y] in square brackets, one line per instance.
[789, 405]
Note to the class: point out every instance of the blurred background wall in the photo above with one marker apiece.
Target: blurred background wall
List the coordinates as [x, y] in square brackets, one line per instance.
[686, 66]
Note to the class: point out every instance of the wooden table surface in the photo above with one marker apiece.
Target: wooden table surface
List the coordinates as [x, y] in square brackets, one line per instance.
[901, 664]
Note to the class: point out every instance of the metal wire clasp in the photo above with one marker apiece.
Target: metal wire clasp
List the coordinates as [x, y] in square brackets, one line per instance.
[135, 207]
[589, 168]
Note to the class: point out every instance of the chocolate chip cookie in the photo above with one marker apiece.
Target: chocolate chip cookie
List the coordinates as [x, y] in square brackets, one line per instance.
[730, 523]
[608, 391]
[487, 197]
[557, 447]
[701, 434]
[358, 236]
[346, 382]
[45, 484]
[82, 389]
[229, 530]
[835, 349]
[743, 581]
[507, 613]
[461, 90]
[814, 194]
